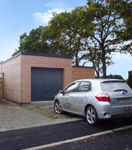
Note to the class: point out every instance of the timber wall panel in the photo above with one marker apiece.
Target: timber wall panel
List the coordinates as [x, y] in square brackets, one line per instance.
[12, 80]
[1, 87]
[29, 61]
[82, 73]
[0, 68]
[17, 74]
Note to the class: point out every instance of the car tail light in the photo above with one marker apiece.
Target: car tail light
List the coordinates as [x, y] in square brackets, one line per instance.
[103, 97]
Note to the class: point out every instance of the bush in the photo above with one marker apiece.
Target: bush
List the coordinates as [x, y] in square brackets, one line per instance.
[129, 81]
[114, 76]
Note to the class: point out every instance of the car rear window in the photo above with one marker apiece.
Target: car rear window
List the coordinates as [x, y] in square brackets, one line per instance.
[114, 86]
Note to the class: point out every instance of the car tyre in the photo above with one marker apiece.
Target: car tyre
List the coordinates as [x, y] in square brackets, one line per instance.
[57, 107]
[91, 115]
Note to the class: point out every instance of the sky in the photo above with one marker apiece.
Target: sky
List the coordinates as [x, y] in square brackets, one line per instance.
[19, 16]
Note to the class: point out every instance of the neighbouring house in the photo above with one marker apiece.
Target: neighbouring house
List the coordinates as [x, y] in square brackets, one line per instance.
[129, 72]
[38, 77]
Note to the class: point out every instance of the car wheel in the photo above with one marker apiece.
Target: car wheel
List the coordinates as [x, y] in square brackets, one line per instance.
[57, 107]
[91, 115]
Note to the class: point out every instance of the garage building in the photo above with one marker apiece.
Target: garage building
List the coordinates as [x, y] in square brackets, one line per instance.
[38, 77]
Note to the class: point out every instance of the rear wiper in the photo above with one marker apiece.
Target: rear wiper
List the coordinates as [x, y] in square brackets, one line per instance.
[120, 90]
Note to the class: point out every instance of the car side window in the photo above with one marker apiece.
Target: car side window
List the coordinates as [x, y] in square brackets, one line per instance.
[72, 88]
[85, 86]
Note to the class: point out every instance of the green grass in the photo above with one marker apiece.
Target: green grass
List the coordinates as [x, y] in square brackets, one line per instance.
[48, 113]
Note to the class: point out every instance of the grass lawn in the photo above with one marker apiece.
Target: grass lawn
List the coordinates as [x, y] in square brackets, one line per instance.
[49, 113]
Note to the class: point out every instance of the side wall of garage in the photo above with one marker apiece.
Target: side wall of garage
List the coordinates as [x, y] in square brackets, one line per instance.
[12, 78]
[29, 61]
[0, 68]
[83, 73]
[18, 74]
[1, 85]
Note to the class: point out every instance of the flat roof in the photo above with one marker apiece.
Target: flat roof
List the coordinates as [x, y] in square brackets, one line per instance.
[43, 54]
[83, 66]
[36, 54]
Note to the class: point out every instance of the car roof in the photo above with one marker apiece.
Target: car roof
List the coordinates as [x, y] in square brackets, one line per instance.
[96, 81]
[100, 80]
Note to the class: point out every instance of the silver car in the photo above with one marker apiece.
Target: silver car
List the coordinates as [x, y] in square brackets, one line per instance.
[95, 99]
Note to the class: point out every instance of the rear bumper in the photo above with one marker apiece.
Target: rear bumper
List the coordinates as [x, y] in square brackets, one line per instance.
[107, 111]
[122, 115]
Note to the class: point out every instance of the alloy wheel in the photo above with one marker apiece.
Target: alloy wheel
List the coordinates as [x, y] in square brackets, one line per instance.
[57, 107]
[91, 115]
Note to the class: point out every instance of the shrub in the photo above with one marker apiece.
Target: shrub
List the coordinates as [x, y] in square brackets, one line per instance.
[114, 76]
[129, 81]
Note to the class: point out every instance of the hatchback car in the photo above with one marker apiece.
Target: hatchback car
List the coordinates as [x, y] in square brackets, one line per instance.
[95, 99]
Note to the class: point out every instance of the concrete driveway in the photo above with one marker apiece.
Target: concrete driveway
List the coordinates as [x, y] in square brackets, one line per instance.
[16, 117]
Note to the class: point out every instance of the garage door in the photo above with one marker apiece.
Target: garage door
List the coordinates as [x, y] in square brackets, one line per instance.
[45, 83]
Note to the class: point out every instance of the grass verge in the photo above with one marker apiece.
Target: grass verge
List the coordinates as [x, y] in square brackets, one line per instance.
[49, 113]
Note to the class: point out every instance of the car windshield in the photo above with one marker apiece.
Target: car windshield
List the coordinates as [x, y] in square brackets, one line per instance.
[115, 86]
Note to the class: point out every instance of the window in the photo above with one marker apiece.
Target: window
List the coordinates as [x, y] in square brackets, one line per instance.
[84, 86]
[72, 88]
[114, 85]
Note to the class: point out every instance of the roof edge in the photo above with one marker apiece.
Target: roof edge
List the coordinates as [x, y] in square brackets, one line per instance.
[47, 55]
[36, 54]
[83, 67]
[11, 58]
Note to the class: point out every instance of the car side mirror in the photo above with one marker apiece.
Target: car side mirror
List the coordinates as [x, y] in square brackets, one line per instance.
[61, 91]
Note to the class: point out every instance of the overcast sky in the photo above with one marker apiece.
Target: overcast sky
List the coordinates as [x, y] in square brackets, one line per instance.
[19, 16]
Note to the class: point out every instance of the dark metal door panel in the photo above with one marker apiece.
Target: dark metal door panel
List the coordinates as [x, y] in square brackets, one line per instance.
[45, 83]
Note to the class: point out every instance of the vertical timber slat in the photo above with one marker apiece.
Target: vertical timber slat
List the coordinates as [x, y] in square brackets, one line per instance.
[1, 86]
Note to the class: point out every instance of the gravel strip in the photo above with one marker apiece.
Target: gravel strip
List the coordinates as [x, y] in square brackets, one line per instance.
[16, 117]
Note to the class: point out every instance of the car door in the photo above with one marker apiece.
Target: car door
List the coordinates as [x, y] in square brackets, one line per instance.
[80, 98]
[68, 95]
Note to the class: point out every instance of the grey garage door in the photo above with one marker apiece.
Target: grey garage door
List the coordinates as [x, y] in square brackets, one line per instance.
[45, 83]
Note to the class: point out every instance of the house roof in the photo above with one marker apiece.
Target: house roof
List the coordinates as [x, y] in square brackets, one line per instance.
[37, 54]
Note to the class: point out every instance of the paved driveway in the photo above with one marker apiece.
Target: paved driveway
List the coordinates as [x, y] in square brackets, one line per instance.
[80, 130]
[16, 117]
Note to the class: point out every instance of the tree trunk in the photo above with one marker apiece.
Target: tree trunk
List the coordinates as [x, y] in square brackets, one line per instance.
[77, 63]
[103, 63]
[97, 74]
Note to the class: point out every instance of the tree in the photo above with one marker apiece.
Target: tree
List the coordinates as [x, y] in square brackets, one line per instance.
[114, 76]
[31, 43]
[89, 33]
[129, 81]
[101, 31]
[92, 33]
[22, 42]
[40, 40]
[126, 15]
[69, 30]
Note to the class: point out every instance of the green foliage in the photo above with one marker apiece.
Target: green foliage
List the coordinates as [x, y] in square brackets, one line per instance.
[126, 15]
[130, 80]
[114, 77]
[40, 40]
[102, 41]
[88, 33]
[69, 30]
[91, 33]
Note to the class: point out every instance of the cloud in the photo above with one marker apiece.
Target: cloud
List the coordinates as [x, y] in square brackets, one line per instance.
[44, 17]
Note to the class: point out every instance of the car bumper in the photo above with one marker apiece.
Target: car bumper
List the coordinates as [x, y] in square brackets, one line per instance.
[106, 111]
